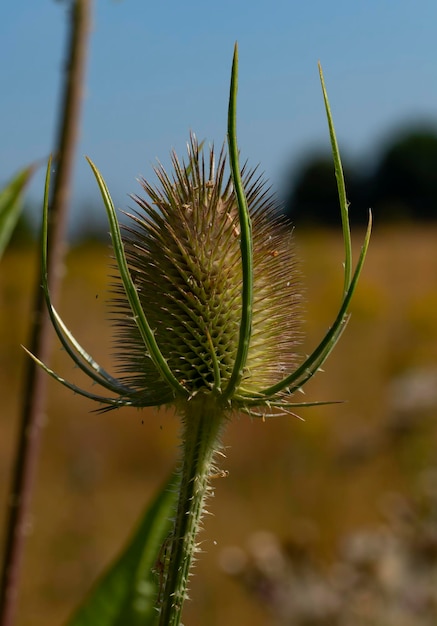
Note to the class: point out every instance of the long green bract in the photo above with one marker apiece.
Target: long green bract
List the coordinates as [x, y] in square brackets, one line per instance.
[116, 402]
[127, 395]
[338, 168]
[134, 399]
[310, 366]
[131, 292]
[313, 363]
[245, 237]
[92, 369]
[108, 381]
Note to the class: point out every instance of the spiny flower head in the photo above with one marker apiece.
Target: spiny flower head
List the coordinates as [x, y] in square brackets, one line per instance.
[208, 302]
[184, 257]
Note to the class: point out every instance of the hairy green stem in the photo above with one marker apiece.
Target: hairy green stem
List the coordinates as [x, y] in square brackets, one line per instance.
[203, 422]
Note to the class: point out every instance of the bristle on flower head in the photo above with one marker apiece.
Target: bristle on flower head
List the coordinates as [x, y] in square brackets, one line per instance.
[183, 250]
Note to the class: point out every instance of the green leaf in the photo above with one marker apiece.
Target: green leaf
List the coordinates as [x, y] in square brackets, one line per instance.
[11, 203]
[126, 594]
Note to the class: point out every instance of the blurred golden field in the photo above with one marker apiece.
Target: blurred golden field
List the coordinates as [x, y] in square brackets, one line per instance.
[330, 473]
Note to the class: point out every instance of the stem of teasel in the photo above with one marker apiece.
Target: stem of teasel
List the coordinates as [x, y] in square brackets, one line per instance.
[202, 424]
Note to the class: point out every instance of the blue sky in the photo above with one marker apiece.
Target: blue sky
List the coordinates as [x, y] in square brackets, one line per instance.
[157, 70]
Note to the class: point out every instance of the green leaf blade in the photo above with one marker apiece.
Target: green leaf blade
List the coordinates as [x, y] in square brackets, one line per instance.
[126, 594]
[11, 204]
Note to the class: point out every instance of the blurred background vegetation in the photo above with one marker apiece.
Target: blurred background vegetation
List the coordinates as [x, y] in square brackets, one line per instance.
[400, 184]
[308, 485]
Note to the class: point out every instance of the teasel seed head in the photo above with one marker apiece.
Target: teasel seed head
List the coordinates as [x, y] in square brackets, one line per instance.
[208, 304]
[182, 246]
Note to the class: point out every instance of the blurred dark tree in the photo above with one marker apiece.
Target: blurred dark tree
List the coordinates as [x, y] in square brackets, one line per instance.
[313, 196]
[403, 185]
